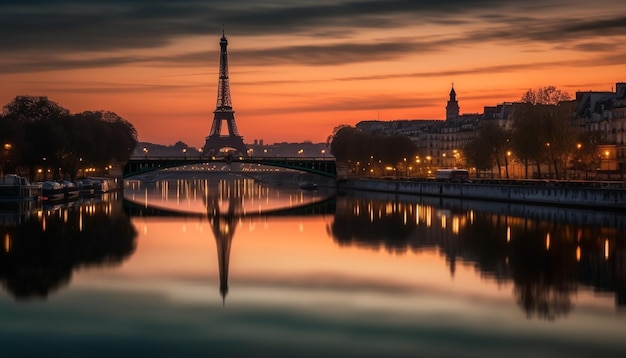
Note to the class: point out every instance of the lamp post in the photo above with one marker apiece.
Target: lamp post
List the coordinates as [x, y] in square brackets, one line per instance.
[185, 153]
[406, 168]
[418, 164]
[506, 163]
[323, 153]
[145, 153]
[7, 149]
[581, 163]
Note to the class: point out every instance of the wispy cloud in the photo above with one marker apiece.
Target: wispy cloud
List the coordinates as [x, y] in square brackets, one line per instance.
[61, 27]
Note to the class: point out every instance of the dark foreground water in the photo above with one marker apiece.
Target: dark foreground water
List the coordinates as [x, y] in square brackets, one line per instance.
[229, 267]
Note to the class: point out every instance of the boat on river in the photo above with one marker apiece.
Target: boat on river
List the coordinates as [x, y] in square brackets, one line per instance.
[70, 189]
[17, 188]
[52, 191]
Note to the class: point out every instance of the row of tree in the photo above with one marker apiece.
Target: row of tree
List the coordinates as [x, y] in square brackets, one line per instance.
[544, 132]
[354, 147]
[39, 133]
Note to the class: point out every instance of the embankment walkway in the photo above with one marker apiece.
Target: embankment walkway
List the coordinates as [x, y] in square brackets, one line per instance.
[601, 197]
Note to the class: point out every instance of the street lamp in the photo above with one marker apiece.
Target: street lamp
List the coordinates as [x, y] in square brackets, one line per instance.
[200, 151]
[145, 153]
[406, 168]
[323, 153]
[506, 162]
[7, 148]
[185, 152]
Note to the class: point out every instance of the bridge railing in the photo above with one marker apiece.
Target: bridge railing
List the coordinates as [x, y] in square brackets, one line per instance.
[223, 158]
[325, 166]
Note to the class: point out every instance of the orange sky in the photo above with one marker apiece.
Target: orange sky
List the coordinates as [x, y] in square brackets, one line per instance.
[301, 68]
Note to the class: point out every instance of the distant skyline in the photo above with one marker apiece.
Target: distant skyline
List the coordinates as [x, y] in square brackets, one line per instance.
[300, 68]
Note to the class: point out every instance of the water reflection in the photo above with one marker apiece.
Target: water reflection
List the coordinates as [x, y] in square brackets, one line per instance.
[547, 257]
[218, 192]
[42, 246]
[224, 200]
[547, 254]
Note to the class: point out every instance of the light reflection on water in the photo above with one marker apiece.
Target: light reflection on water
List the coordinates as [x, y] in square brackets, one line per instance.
[200, 269]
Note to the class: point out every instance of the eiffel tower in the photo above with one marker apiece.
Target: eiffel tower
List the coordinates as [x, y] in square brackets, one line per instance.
[217, 143]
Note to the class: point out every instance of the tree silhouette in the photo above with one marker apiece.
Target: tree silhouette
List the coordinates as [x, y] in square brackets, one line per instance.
[543, 131]
[44, 134]
[351, 145]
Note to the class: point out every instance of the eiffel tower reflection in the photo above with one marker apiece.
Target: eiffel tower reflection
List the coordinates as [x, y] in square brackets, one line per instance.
[224, 210]
[223, 225]
[225, 204]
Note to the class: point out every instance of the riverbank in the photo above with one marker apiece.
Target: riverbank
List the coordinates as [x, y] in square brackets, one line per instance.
[605, 198]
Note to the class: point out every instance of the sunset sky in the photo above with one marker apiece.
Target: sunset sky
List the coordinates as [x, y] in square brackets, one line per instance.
[299, 68]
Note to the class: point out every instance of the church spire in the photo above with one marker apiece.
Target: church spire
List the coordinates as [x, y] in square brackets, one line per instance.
[452, 93]
[452, 109]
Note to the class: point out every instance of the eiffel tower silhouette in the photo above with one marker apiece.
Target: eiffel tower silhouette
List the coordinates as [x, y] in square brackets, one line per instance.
[216, 142]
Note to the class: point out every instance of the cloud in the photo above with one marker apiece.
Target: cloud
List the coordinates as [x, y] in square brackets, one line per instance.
[42, 35]
[96, 25]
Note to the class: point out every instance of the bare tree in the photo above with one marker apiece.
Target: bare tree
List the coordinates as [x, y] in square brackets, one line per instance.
[543, 131]
[545, 95]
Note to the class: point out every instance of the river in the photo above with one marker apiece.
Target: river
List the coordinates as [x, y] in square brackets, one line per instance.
[227, 266]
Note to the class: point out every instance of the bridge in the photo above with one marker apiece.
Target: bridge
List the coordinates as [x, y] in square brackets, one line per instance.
[325, 167]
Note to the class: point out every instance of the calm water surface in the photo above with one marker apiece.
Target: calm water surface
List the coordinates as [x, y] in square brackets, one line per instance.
[229, 266]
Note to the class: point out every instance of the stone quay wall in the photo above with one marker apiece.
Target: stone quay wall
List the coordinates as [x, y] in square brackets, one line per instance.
[609, 198]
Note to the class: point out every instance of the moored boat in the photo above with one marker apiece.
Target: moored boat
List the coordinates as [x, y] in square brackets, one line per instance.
[16, 188]
[70, 189]
[51, 190]
[86, 187]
